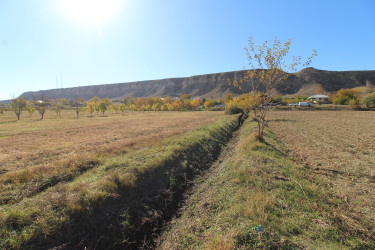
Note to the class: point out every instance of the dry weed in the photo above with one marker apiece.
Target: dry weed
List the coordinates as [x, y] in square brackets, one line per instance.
[338, 146]
[36, 154]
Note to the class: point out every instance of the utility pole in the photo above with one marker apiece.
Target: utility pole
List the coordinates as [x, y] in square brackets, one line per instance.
[61, 79]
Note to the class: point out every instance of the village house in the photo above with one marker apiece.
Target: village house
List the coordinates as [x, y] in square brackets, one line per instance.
[315, 98]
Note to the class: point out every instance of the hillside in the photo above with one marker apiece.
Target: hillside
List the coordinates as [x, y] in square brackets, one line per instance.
[305, 82]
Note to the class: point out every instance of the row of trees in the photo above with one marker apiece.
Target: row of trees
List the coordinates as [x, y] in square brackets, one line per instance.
[98, 105]
[19, 104]
[269, 64]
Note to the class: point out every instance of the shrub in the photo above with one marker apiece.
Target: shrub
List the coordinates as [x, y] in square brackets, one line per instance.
[232, 109]
[209, 103]
[341, 100]
[369, 100]
[354, 104]
[343, 96]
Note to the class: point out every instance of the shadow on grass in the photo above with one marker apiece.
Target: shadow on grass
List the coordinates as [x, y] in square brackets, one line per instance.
[282, 120]
[135, 217]
[274, 149]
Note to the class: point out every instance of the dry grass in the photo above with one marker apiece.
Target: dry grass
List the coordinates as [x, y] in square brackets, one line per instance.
[338, 146]
[123, 197]
[36, 154]
[254, 184]
[260, 185]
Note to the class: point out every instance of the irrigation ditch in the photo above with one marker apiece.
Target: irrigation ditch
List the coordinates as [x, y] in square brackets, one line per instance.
[134, 217]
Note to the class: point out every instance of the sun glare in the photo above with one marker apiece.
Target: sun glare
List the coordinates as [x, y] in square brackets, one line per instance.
[90, 12]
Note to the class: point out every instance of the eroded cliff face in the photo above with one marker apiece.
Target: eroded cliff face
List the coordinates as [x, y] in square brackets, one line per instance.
[305, 82]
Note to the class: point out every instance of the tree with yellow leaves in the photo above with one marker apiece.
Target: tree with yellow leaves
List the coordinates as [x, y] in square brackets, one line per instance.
[156, 107]
[90, 107]
[269, 64]
[122, 107]
[167, 100]
[102, 106]
[177, 104]
[95, 100]
[170, 107]
[132, 107]
[148, 107]
[31, 109]
[209, 103]
[195, 103]
[57, 105]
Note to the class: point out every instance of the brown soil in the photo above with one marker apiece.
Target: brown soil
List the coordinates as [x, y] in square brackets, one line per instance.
[338, 146]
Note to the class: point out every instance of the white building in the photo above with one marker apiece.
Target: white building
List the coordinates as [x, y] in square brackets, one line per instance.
[315, 98]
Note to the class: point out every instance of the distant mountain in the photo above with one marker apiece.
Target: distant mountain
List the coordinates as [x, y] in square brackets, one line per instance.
[309, 80]
[305, 82]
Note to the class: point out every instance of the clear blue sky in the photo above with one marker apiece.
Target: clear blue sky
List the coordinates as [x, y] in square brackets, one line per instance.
[133, 40]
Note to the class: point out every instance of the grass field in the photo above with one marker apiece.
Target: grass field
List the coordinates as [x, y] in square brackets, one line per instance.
[36, 154]
[254, 184]
[113, 194]
[114, 181]
[338, 146]
[309, 185]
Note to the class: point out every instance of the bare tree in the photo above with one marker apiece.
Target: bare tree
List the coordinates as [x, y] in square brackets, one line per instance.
[18, 104]
[77, 104]
[269, 66]
[41, 106]
[57, 105]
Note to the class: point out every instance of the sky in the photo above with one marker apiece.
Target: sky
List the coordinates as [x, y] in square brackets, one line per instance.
[48, 44]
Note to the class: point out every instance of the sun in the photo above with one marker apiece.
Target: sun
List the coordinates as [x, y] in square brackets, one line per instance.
[90, 12]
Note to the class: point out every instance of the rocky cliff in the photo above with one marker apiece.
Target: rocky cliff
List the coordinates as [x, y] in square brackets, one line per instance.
[305, 82]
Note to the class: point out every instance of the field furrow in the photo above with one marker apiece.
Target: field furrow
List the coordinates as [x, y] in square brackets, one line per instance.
[33, 159]
[340, 147]
[126, 197]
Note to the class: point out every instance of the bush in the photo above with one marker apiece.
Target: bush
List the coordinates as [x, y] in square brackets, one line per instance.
[232, 109]
[343, 96]
[341, 100]
[354, 104]
[209, 103]
[369, 100]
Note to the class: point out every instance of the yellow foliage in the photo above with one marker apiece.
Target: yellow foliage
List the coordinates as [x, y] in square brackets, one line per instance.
[268, 69]
[176, 104]
[195, 103]
[209, 103]
[90, 107]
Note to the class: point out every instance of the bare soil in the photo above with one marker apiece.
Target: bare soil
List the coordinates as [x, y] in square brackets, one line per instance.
[339, 146]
